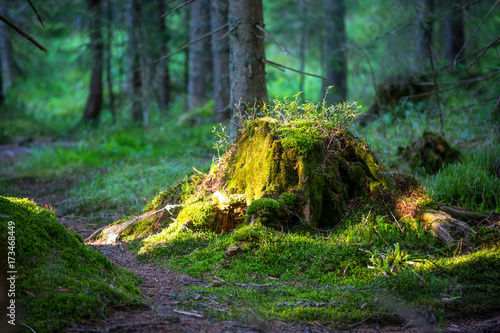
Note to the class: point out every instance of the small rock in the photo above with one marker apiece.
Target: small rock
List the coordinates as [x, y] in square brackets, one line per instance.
[363, 306]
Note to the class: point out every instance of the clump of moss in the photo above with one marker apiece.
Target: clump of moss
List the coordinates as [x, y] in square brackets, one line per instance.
[69, 280]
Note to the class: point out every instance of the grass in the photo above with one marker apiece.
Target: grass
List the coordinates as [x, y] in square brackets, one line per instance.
[473, 184]
[329, 276]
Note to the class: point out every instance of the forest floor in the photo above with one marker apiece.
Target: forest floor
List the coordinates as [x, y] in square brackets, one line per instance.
[161, 288]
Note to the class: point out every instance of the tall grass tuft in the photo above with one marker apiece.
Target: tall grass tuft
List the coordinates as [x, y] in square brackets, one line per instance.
[473, 184]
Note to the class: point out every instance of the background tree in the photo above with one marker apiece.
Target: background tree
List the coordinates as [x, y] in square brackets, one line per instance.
[94, 101]
[220, 60]
[133, 82]
[200, 62]
[454, 31]
[423, 39]
[7, 61]
[247, 55]
[159, 41]
[334, 49]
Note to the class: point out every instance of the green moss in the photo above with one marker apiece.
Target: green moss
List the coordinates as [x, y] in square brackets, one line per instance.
[49, 259]
[201, 214]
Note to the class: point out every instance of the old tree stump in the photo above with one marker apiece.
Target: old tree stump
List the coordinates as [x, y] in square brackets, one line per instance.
[292, 175]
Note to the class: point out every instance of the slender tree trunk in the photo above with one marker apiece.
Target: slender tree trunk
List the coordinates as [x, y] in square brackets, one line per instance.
[423, 40]
[109, 56]
[454, 34]
[94, 101]
[200, 62]
[303, 11]
[162, 71]
[133, 86]
[336, 63]
[247, 53]
[220, 61]
[7, 60]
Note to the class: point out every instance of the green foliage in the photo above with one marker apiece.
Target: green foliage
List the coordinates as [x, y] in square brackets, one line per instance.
[201, 214]
[70, 280]
[473, 184]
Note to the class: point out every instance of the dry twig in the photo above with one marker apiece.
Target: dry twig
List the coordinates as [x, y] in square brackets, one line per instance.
[22, 33]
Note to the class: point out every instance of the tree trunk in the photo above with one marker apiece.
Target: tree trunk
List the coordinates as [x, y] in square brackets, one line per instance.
[247, 54]
[134, 83]
[109, 57]
[303, 11]
[220, 61]
[7, 60]
[336, 64]
[423, 39]
[454, 34]
[200, 61]
[162, 79]
[94, 101]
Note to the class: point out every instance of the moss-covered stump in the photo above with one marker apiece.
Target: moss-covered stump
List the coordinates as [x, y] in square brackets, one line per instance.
[60, 281]
[321, 168]
[429, 153]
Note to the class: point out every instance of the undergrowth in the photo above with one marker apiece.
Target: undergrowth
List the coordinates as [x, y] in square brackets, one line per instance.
[473, 184]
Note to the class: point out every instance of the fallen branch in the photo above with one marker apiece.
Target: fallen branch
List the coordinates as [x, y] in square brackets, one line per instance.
[36, 13]
[280, 67]
[251, 285]
[474, 32]
[192, 314]
[177, 8]
[282, 47]
[484, 51]
[22, 33]
[193, 42]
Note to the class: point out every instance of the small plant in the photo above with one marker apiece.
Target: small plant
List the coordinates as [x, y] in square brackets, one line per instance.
[391, 261]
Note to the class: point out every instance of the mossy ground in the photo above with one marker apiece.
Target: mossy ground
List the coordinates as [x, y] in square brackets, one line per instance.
[328, 276]
[70, 281]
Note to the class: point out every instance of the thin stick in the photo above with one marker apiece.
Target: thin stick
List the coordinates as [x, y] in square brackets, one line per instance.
[32, 330]
[36, 12]
[279, 66]
[228, 32]
[476, 79]
[22, 33]
[193, 42]
[474, 32]
[282, 47]
[484, 51]
[177, 8]
[437, 90]
[192, 314]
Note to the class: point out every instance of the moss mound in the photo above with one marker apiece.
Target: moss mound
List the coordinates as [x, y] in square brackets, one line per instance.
[301, 173]
[60, 280]
[429, 153]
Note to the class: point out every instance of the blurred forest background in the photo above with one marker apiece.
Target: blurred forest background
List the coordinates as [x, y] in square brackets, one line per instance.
[128, 96]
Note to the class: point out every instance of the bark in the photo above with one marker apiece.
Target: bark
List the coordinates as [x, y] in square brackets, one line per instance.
[336, 63]
[94, 101]
[220, 60]
[162, 80]
[200, 62]
[303, 11]
[109, 56]
[454, 34]
[7, 60]
[247, 52]
[134, 83]
[423, 39]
